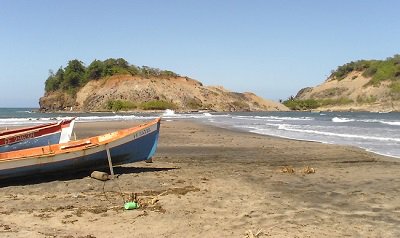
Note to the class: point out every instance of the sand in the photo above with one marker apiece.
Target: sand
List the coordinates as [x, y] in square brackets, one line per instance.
[211, 182]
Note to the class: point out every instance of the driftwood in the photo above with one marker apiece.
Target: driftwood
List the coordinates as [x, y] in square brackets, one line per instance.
[103, 176]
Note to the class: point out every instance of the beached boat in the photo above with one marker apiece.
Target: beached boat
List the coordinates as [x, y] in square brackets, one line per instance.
[40, 135]
[124, 146]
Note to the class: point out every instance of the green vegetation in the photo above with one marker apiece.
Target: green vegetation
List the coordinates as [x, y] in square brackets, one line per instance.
[377, 70]
[75, 75]
[308, 104]
[395, 87]
[194, 103]
[395, 90]
[124, 105]
[157, 105]
[120, 105]
[335, 102]
[342, 71]
[366, 99]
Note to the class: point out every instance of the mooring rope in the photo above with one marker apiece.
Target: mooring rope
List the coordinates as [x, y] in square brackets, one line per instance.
[120, 193]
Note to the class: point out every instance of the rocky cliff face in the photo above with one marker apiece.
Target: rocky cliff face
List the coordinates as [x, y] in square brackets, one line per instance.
[353, 93]
[187, 94]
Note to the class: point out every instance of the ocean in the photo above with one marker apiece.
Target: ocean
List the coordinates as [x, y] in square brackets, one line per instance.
[375, 132]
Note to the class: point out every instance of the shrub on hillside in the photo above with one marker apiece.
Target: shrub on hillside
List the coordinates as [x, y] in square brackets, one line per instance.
[157, 105]
[395, 90]
[307, 104]
[335, 102]
[194, 103]
[120, 105]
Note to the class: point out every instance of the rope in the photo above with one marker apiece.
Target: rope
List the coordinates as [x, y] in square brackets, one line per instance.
[120, 193]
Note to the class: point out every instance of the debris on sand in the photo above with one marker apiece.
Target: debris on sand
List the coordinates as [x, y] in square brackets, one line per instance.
[291, 170]
[309, 170]
[250, 234]
[288, 169]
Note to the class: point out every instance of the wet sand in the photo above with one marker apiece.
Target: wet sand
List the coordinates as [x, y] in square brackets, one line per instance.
[211, 182]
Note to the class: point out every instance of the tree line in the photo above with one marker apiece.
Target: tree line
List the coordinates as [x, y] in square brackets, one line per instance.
[75, 75]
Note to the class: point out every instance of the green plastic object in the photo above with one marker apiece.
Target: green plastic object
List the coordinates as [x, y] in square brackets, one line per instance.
[131, 205]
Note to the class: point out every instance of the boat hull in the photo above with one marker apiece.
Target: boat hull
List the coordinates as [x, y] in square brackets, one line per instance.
[37, 136]
[138, 146]
[32, 142]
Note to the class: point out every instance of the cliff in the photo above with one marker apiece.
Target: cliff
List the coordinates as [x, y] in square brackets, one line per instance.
[181, 93]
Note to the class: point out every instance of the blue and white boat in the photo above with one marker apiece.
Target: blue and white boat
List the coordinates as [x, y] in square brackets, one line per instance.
[124, 146]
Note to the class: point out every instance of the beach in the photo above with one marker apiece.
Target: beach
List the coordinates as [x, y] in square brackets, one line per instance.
[206, 181]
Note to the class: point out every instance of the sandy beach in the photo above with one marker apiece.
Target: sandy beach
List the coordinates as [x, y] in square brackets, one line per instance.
[212, 182]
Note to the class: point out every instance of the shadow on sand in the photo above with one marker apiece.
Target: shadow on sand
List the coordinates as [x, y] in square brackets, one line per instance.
[44, 178]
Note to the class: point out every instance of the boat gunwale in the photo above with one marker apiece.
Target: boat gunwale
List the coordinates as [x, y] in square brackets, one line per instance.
[4, 133]
[62, 124]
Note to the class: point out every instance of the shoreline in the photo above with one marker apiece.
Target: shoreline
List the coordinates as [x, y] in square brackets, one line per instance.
[300, 140]
[207, 181]
[327, 143]
[133, 122]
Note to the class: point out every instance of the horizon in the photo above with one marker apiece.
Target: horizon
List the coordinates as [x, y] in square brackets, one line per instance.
[271, 48]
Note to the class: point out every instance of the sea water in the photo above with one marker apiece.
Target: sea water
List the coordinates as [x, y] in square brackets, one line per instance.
[375, 132]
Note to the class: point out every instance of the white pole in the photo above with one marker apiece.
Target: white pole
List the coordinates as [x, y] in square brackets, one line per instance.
[110, 162]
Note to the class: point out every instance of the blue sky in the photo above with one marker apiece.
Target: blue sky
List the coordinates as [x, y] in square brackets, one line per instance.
[272, 48]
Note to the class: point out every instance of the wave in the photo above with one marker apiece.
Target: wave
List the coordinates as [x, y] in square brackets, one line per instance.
[342, 119]
[169, 112]
[392, 123]
[273, 118]
[342, 135]
[110, 118]
[286, 118]
[29, 112]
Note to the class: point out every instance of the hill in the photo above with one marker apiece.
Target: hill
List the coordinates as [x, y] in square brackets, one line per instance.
[142, 88]
[363, 85]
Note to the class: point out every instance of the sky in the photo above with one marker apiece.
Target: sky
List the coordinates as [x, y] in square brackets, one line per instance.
[270, 47]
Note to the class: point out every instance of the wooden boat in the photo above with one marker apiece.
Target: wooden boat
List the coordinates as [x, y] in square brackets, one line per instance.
[123, 146]
[40, 135]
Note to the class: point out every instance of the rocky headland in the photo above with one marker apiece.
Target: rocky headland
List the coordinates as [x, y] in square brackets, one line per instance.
[135, 91]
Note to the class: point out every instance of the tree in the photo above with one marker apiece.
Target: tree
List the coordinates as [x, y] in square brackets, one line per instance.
[54, 81]
[122, 63]
[95, 70]
[74, 75]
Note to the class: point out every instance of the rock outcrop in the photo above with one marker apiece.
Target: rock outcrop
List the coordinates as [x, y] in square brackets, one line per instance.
[185, 93]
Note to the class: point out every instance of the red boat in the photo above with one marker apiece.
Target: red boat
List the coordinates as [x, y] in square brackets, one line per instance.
[34, 136]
